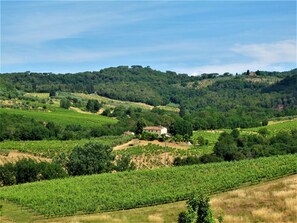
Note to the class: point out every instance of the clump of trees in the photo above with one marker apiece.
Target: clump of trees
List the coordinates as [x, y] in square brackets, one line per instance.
[234, 146]
[28, 170]
[93, 158]
[18, 127]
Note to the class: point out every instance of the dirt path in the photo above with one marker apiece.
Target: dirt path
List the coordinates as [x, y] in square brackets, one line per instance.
[137, 142]
[85, 112]
[14, 156]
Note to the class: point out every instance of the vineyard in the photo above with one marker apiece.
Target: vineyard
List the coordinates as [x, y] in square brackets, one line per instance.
[106, 192]
[50, 148]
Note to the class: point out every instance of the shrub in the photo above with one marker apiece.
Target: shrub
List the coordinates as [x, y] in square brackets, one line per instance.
[90, 159]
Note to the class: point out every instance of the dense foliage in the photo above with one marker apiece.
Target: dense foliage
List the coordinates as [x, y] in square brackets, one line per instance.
[235, 146]
[105, 192]
[89, 159]
[198, 211]
[28, 170]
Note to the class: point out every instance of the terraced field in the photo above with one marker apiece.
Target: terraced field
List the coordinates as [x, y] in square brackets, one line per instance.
[105, 192]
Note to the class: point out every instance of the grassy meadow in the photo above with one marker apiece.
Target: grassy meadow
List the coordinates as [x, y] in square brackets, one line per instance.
[63, 117]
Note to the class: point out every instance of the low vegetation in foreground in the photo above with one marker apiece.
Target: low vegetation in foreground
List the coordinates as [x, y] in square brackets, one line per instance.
[104, 192]
[276, 202]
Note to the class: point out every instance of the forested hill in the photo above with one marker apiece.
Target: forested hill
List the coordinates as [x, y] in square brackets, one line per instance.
[259, 92]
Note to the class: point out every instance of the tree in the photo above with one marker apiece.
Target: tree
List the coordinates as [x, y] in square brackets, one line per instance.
[198, 210]
[52, 93]
[181, 127]
[64, 103]
[225, 147]
[93, 105]
[139, 127]
[91, 158]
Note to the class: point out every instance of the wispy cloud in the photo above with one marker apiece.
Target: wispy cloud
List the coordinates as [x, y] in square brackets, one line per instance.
[265, 56]
[269, 53]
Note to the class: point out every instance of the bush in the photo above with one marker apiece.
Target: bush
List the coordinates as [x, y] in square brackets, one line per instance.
[91, 158]
[198, 210]
[64, 103]
[124, 164]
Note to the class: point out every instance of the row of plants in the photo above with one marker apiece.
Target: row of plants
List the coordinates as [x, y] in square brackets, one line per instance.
[106, 192]
[52, 148]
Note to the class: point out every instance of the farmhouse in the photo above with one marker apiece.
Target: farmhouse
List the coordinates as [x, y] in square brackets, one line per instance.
[128, 133]
[156, 129]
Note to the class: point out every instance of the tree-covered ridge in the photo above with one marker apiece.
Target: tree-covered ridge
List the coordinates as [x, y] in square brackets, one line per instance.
[133, 84]
[208, 101]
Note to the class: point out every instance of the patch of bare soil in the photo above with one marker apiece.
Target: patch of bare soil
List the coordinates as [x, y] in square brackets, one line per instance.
[137, 142]
[85, 112]
[150, 162]
[14, 156]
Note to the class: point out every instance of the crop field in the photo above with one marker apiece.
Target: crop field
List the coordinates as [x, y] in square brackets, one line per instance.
[105, 192]
[50, 148]
[276, 202]
[63, 117]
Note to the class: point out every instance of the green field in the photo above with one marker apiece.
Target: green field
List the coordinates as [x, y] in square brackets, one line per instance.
[50, 148]
[286, 125]
[104, 192]
[63, 117]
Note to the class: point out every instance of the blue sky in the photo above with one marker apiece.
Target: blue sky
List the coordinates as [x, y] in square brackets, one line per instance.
[190, 37]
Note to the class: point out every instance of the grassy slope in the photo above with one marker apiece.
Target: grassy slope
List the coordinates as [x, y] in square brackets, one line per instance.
[63, 117]
[286, 125]
[142, 188]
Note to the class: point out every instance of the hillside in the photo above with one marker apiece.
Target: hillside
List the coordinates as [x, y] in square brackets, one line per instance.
[104, 192]
[236, 206]
[209, 101]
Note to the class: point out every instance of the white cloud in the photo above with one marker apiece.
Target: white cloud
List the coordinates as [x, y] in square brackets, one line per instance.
[269, 53]
[266, 56]
[231, 68]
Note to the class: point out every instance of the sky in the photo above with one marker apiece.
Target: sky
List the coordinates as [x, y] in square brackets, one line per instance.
[192, 37]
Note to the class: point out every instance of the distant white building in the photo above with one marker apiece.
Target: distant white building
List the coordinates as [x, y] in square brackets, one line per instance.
[159, 130]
